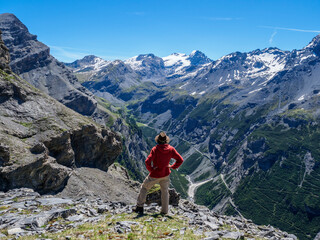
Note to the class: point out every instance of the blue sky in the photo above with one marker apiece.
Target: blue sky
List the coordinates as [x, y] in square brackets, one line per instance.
[121, 29]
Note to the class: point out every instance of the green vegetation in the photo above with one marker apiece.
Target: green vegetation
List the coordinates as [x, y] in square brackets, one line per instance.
[211, 193]
[285, 196]
[202, 177]
[148, 227]
[126, 161]
[155, 188]
[299, 114]
[191, 163]
[26, 124]
[183, 147]
[180, 183]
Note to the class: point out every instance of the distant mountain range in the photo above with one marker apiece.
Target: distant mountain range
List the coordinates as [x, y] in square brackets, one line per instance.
[247, 120]
[247, 124]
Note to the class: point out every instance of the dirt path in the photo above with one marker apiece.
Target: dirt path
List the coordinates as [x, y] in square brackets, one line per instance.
[194, 186]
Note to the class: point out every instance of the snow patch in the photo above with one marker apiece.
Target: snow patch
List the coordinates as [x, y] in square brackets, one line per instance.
[256, 90]
[184, 85]
[301, 98]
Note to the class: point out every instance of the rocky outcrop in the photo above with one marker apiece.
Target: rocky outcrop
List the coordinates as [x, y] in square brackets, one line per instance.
[4, 56]
[25, 213]
[31, 59]
[113, 185]
[42, 141]
[155, 197]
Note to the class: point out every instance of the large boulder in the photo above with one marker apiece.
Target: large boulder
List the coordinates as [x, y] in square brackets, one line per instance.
[154, 196]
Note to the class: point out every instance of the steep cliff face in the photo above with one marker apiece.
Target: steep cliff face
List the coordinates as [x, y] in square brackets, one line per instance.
[42, 141]
[31, 60]
[4, 56]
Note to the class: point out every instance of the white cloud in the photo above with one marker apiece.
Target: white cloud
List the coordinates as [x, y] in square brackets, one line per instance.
[67, 54]
[272, 37]
[291, 29]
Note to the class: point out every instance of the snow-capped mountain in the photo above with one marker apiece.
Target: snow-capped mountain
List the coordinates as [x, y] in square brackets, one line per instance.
[148, 66]
[251, 69]
[181, 64]
[89, 63]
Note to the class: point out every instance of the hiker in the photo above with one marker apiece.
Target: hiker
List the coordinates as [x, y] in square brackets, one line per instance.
[158, 164]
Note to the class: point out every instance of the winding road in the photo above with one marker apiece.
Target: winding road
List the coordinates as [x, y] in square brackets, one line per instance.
[194, 186]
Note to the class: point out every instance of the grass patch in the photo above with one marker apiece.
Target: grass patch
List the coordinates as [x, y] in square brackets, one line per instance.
[203, 176]
[282, 196]
[191, 163]
[183, 147]
[211, 193]
[148, 227]
[180, 183]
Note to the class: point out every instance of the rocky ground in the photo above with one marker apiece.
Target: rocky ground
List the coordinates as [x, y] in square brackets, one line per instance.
[27, 215]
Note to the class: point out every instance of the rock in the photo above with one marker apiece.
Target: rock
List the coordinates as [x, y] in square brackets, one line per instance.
[211, 225]
[4, 56]
[2, 235]
[4, 154]
[317, 236]
[233, 235]
[75, 218]
[64, 212]
[51, 138]
[54, 201]
[13, 231]
[31, 59]
[155, 197]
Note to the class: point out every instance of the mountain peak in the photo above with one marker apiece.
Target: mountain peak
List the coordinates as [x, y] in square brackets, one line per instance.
[144, 56]
[9, 17]
[10, 23]
[314, 45]
[198, 58]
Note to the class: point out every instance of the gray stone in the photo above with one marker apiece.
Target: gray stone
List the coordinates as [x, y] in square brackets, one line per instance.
[233, 235]
[13, 231]
[155, 197]
[75, 218]
[54, 201]
[211, 225]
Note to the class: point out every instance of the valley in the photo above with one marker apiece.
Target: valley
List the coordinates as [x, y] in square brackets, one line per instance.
[247, 124]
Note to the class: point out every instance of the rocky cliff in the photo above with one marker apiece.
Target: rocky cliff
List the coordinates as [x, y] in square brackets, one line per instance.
[31, 60]
[42, 142]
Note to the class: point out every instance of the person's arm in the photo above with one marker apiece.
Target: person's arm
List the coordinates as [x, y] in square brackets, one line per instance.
[149, 160]
[177, 157]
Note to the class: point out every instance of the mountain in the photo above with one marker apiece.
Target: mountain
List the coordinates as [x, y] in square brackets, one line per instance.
[52, 149]
[31, 60]
[247, 126]
[148, 66]
[133, 79]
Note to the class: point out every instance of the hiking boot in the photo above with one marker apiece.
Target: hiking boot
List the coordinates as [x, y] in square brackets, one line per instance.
[138, 210]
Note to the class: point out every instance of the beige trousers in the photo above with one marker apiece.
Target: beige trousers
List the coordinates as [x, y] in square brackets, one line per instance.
[164, 186]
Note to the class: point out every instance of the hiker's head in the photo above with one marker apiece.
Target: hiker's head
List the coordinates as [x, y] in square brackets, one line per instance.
[162, 138]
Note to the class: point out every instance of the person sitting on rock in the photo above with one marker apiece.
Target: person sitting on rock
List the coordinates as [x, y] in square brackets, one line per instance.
[158, 164]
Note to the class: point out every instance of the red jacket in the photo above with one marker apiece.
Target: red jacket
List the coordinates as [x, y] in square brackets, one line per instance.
[158, 160]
